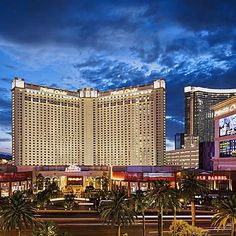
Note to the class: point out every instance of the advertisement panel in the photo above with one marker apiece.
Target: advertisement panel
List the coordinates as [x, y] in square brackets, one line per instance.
[228, 148]
[227, 125]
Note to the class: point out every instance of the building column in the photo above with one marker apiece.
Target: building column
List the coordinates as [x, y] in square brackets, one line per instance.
[214, 184]
[230, 185]
[129, 189]
[10, 188]
[139, 185]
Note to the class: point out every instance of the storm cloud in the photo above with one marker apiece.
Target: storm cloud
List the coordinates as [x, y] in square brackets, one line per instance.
[111, 44]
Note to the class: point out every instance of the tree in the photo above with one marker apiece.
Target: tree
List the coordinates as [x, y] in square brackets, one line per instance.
[53, 189]
[39, 182]
[42, 198]
[18, 214]
[48, 228]
[69, 201]
[118, 211]
[140, 205]
[226, 213]
[105, 182]
[191, 186]
[161, 197]
[175, 203]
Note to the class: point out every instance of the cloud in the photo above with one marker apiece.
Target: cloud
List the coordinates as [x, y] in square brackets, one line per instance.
[4, 103]
[112, 44]
[173, 119]
[170, 144]
[5, 139]
[5, 115]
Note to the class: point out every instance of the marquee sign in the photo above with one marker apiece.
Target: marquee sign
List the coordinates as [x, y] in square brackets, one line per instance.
[124, 91]
[212, 177]
[75, 180]
[225, 110]
[49, 90]
[73, 168]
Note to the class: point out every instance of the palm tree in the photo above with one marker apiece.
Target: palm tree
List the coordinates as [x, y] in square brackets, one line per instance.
[42, 198]
[191, 186]
[48, 228]
[39, 182]
[140, 205]
[226, 213]
[52, 189]
[69, 201]
[18, 214]
[118, 211]
[160, 198]
[175, 204]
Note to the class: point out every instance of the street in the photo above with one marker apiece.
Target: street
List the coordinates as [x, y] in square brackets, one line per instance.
[89, 223]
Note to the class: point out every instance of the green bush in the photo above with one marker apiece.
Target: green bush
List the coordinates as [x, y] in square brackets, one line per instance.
[182, 228]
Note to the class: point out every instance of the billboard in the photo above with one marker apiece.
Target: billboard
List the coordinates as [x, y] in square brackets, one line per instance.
[228, 148]
[227, 125]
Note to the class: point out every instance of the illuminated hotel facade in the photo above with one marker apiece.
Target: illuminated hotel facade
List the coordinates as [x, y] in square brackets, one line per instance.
[225, 135]
[199, 118]
[88, 127]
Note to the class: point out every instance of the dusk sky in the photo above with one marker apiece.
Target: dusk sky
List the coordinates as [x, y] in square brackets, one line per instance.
[113, 44]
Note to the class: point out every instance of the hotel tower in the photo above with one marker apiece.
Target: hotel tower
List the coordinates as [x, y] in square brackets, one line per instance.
[199, 117]
[52, 126]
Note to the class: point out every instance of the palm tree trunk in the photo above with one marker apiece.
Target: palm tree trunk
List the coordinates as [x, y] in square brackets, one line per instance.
[160, 222]
[175, 210]
[118, 230]
[232, 227]
[19, 232]
[193, 211]
[144, 228]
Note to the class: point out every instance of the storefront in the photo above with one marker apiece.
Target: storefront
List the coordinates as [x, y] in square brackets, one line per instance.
[218, 181]
[72, 179]
[133, 178]
[10, 182]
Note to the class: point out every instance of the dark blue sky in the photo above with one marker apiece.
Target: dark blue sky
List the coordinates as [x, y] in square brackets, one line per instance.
[110, 44]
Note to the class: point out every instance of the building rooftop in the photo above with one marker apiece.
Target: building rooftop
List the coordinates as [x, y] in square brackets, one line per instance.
[207, 90]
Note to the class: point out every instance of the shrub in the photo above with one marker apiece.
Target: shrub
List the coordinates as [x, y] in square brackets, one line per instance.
[182, 228]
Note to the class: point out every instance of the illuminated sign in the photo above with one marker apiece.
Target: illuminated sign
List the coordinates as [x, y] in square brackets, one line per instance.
[228, 148]
[73, 168]
[124, 91]
[75, 180]
[157, 175]
[53, 91]
[137, 176]
[225, 110]
[20, 176]
[212, 177]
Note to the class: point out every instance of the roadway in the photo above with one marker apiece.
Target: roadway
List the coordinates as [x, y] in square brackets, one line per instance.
[85, 223]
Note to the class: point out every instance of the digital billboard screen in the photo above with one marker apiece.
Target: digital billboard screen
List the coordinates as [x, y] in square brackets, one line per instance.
[227, 125]
[228, 148]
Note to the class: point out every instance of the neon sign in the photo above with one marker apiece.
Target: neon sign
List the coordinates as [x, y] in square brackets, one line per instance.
[212, 177]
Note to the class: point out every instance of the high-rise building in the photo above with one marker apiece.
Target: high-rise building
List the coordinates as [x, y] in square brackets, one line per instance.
[53, 126]
[179, 140]
[198, 114]
[187, 156]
